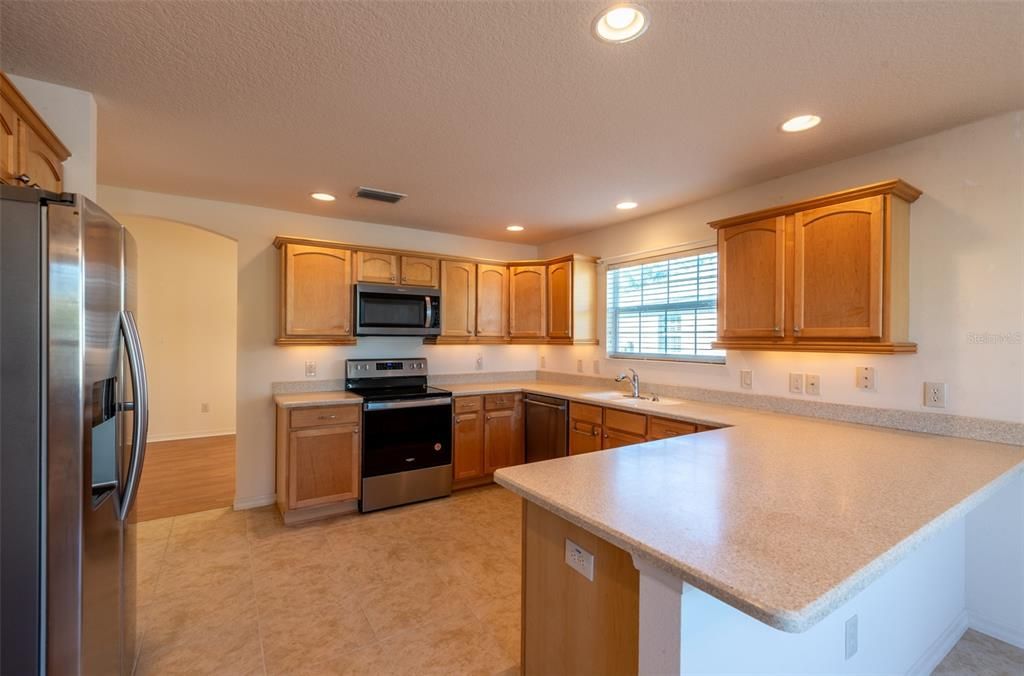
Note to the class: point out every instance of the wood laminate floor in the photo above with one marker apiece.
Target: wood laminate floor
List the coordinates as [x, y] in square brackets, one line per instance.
[432, 588]
[187, 475]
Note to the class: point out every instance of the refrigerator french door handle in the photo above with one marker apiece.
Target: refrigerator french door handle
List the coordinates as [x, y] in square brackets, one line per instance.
[140, 422]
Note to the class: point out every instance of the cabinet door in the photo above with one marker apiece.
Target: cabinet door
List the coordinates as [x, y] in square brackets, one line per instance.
[37, 161]
[838, 267]
[616, 438]
[318, 291]
[458, 298]
[751, 279]
[584, 437]
[468, 460]
[376, 268]
[324, 465]
[491, 301]
[527, 292]
[499, 440]
[560, 300]
[664, 428]
[417, 271]
[8, 141]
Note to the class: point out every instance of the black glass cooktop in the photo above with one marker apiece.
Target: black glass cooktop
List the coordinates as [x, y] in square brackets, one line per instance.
[391, 393]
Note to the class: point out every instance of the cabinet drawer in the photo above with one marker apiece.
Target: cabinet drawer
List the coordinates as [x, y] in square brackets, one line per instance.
[467, 404]
[585, 412]
[663, 428]
[325, 415]
[707, 428]
[493, 402]
[633, 423]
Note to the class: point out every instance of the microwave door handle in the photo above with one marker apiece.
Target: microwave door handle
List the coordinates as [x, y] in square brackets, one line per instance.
[430, 312]
[140, 408]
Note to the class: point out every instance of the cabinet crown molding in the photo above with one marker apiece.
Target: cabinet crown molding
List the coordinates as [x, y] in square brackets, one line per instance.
[895, 186]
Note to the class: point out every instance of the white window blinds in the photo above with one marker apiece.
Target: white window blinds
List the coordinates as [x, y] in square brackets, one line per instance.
[664, 308]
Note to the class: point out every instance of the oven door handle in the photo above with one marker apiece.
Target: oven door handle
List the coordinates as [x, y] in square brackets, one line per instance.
[429, 313]
[413, 403]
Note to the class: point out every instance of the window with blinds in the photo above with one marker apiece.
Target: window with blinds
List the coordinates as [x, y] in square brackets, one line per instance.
[664, 308]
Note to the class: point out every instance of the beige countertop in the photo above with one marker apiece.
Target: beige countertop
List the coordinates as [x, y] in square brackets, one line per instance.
[300, 399]
[782, 517]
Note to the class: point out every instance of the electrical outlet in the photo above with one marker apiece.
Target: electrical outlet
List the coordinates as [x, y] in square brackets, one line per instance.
[310, 369]
[813, 384]
[579, 366]
[597, 366]
[746, 379]
[543, 362]
[796, 383]
[851, 637]
[865, 378]
[579, 559]
[935, 395]
[479, 361]
[204, 407]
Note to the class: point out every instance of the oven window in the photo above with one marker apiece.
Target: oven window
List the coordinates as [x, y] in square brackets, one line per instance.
[384, 310]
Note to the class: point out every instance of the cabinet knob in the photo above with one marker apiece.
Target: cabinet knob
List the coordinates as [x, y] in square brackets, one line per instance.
[392, 278]
[796, 329]
[327, 417]
[775, 328]
[597, 431]
[22, 178]
[355, 430]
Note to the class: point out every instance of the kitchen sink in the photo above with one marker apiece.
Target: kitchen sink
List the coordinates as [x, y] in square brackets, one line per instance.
[624, 398]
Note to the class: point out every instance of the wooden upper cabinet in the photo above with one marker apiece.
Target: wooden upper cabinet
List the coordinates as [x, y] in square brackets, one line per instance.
[527, 300]
[838, 260]
[317, 294]
[560, 300]
[30, 153]
[8, 141]
[458, 298]
[419, 271]
[491, 301]
[751, 278]
[323, 465]
[376, 268]
[829, 274]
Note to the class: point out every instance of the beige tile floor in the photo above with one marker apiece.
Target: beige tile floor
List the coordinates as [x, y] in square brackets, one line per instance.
[423, 589]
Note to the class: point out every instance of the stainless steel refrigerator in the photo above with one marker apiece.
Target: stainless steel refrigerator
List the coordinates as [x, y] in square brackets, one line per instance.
[73, 422]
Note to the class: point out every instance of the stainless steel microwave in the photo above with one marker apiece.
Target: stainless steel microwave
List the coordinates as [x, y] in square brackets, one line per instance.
[383, 310]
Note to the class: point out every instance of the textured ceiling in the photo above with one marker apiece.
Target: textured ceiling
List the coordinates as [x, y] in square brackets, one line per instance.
[490, 113]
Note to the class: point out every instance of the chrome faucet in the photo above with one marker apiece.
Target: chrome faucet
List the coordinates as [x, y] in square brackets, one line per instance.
[634, 380]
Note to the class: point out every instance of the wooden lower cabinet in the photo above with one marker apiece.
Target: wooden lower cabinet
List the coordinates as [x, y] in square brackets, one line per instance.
[318, 452]
[488, 435]
[666, 428]
[572, 625]
[622, 428]
[586, 433]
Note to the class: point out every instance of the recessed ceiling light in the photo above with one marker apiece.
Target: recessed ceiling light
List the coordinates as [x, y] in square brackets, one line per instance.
[801, 123]
[621, 23]
[626, 205]
[514, 228]
[322, 196]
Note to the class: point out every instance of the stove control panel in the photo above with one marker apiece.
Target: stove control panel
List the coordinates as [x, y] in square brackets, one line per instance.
[385, 368]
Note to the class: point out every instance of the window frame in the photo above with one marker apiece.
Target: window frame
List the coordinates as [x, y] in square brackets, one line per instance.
[682, 251]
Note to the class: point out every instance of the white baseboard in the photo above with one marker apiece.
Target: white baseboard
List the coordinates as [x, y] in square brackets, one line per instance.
[1014, 637]
[197, 435]
[253, 502]
[938, 650]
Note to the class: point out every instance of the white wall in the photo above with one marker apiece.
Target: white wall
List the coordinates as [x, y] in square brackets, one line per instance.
[967, 255]
[260, 362]
[187, 314]
[71, 114]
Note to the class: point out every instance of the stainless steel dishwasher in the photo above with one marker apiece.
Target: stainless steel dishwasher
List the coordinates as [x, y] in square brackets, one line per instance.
[546, 427]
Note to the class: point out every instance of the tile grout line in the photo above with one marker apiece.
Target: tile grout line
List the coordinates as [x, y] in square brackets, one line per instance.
[252, 585]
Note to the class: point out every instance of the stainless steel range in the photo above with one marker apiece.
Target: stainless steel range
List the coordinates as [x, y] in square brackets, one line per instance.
[407, 432]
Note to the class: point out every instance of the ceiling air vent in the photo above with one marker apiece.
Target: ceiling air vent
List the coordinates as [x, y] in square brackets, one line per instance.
[379, 195]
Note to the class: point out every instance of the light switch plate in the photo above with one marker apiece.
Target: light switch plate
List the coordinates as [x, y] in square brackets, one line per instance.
[310, 369]
[746, 379]
[579, 366]
[796, 383]
[579, 559]
[813, 384]
[935, 395]
[851, 637]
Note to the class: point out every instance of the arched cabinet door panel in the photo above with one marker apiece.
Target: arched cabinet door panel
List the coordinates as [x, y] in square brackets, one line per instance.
[458, 298]
[838, 266]
[491, 301]
[751, 279]
[527, 300]
[317, 291]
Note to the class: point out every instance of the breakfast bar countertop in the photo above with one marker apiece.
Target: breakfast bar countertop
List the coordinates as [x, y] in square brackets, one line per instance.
[782, 517]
